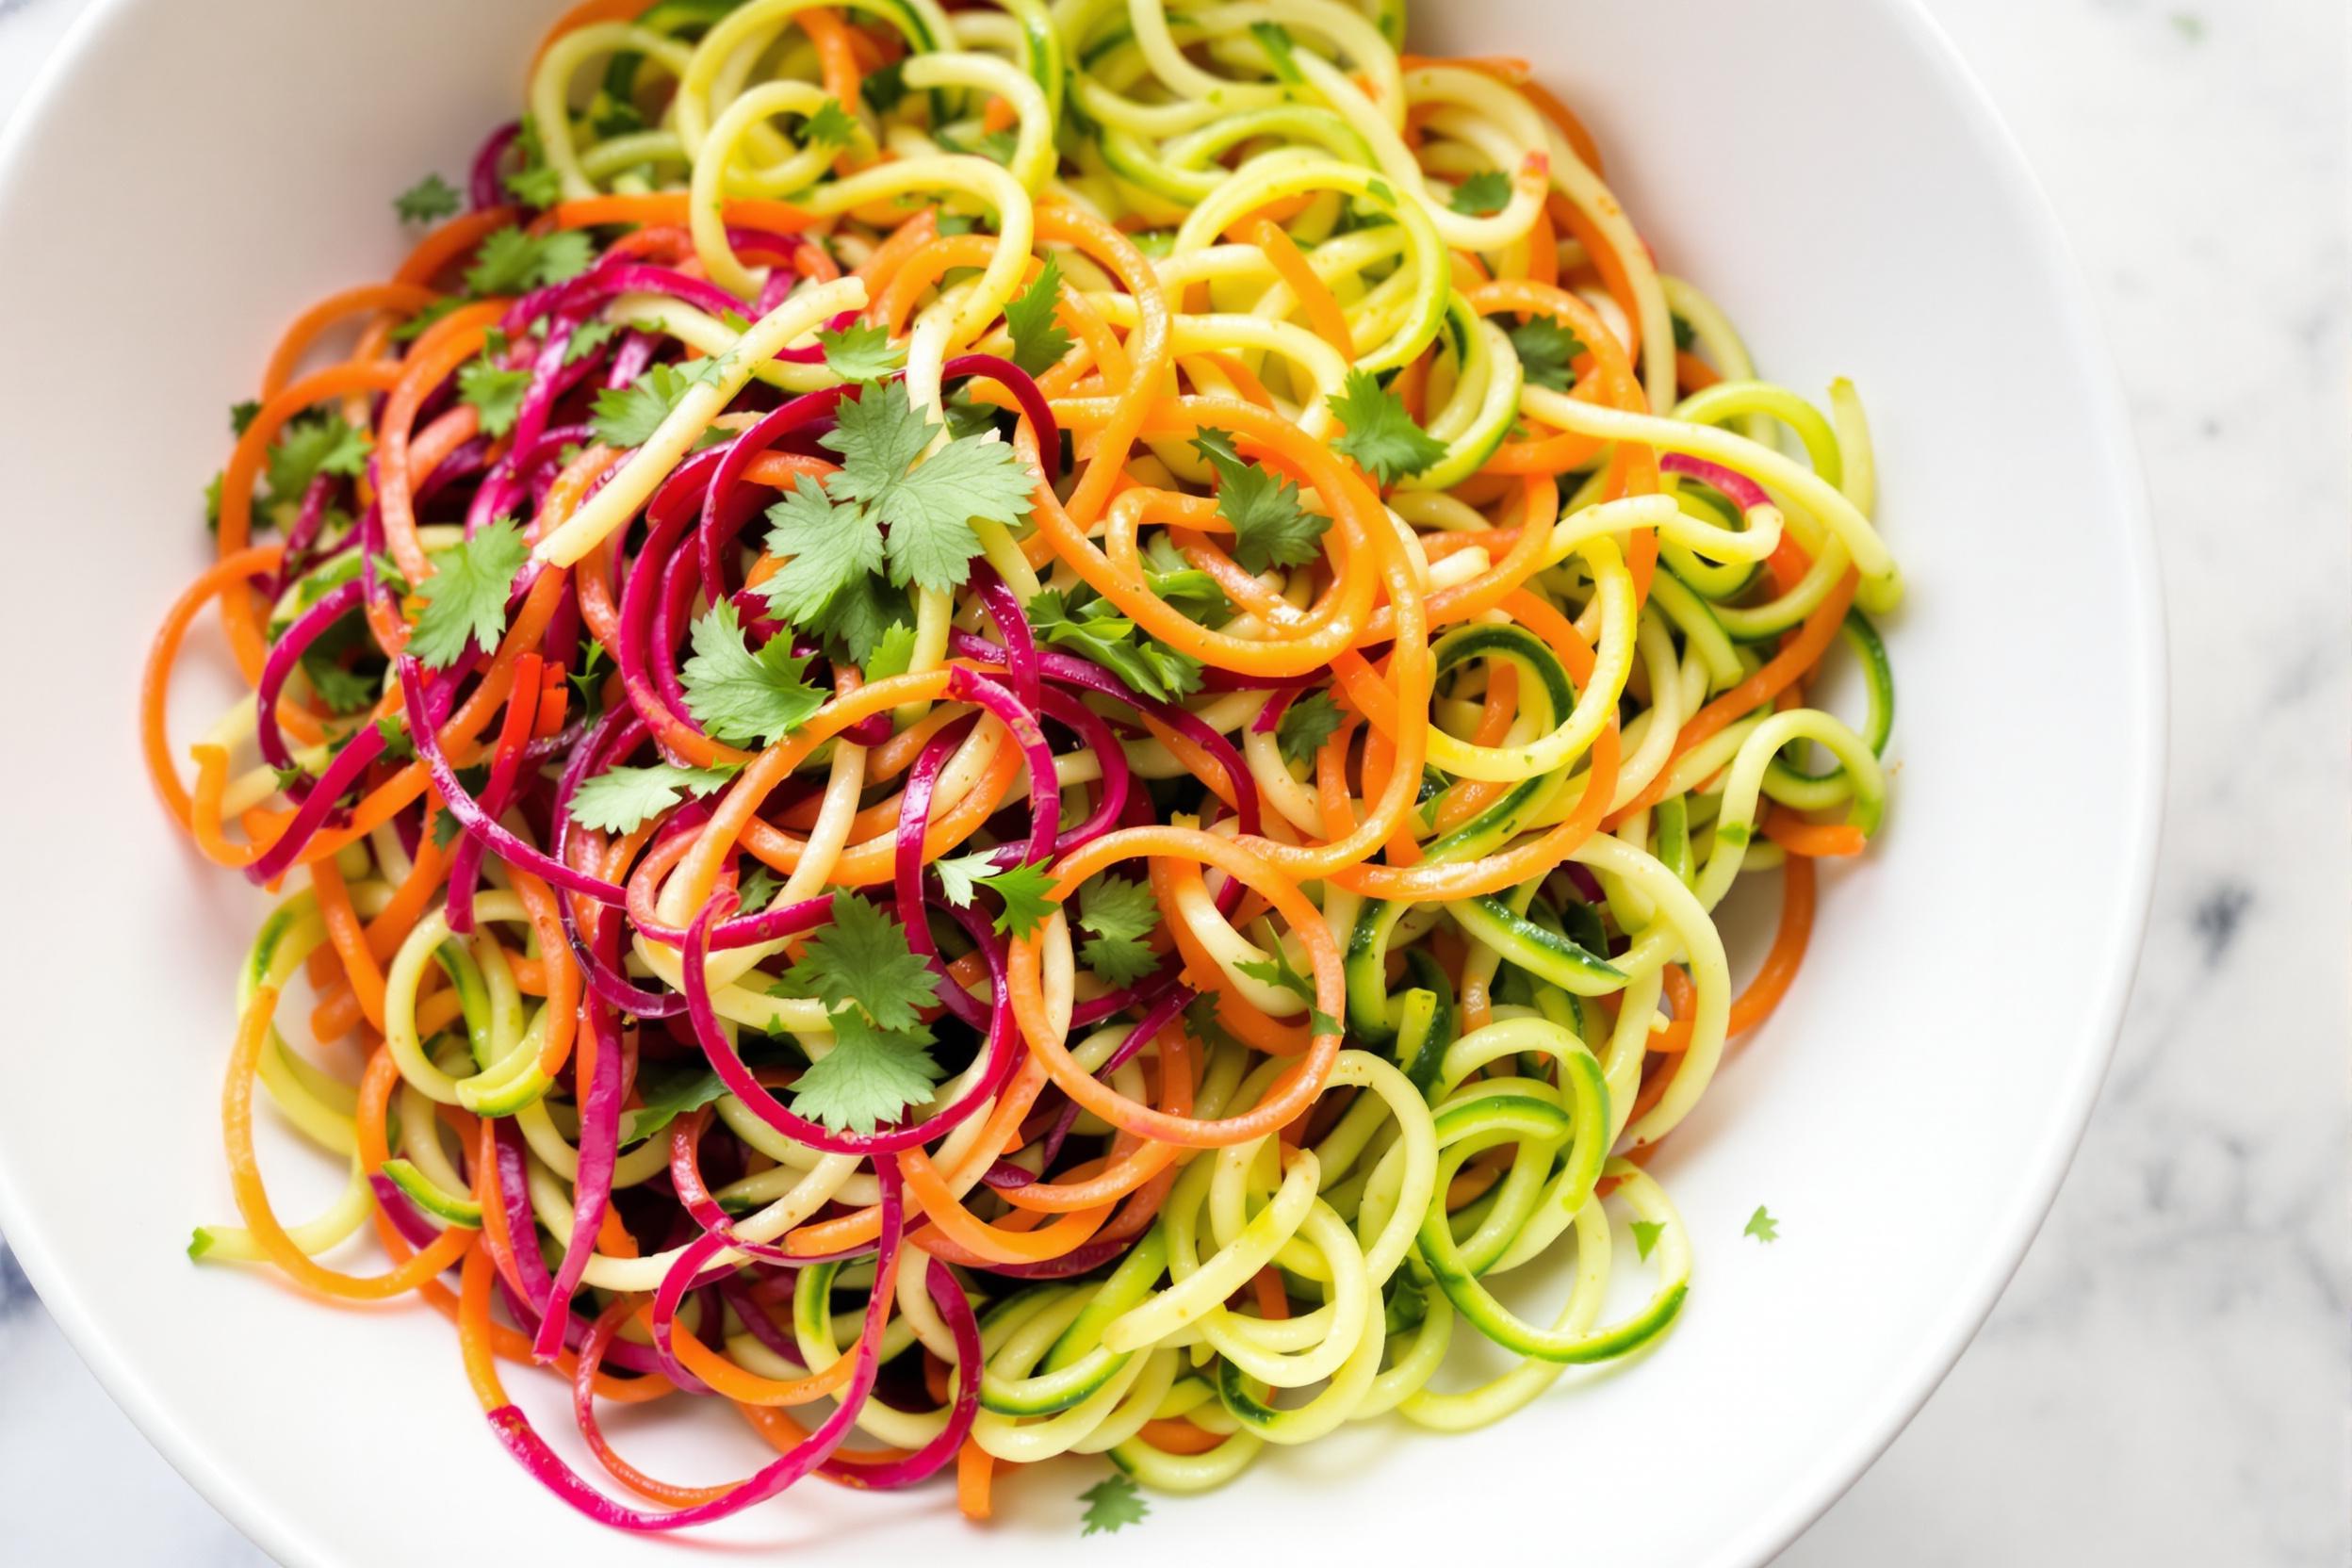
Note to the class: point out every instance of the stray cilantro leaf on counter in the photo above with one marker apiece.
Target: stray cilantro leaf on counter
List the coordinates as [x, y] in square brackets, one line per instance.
[466, 596]
[1381, 438]
[427, 199]
[1762, 1226]
[1121, 913]
[618, 800]
[510, 261]
[1097, 631]
[1039, 342]
[1547, 350]
[740, 696]
[860, 351]
[1305, 725]
[1646, 1234]
[1484, 192]
[629, 415]
[1024, 888]
[1270, 527]
[1113, 1503]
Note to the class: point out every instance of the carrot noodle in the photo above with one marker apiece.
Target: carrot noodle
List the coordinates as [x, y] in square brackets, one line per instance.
[1146, 916]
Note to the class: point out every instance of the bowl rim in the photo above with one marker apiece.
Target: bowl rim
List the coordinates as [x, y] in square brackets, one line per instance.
[2145, 708]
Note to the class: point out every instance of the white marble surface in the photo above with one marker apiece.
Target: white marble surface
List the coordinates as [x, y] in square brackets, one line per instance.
[2168, 1380]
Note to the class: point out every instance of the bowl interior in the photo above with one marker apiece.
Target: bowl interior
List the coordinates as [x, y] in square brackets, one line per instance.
[1905, 1115]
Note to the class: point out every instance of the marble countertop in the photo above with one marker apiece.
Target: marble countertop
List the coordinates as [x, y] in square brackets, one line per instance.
[2169, 1377]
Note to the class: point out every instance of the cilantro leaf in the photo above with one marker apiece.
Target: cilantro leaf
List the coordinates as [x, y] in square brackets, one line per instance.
[1305, 725]
[1120, 912]
[510, 261]
[665, 1100]
[1277, 970]
[826, 548]
[429, 198]
[341, 690]
[861, 616]
[860, 351]
[1113, 1503]
[1646, 1234]
[398, 745]
[862, 957]
[533, 184]
[1685, 336]
[588, 680]
[1762, 1226]
[619, 799]
[758, 889]
[242, 415]
[629, 415]
[893, 652]
[1097, 632]
[587, 338]
[312, 445]
[1024, 888]
[1486, 191]
[466, 596]
[1191, 591]
[886, 89]
[1270, 527]
[1038, 343]
[929, 507]
[741, 697]
[1381, 438]
[831, 126]
[870, 1077]
[1547, 350]
[497, 393]
[414, 327]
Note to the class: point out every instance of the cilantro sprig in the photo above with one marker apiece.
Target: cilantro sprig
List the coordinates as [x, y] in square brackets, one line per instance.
[1486, 191]
[1039, 342]
[874, 988]
[1022, 888]
[889, 514]
[1381, 438]
[1095, 630]
[741, 697]
[1270, 527]
[510, 260]
[1546, 352]
[465, 598]
[1305, 725]
[620, 799]
[1121, 913]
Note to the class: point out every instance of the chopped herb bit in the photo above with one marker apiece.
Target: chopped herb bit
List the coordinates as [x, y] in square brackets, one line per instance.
[1381, 438]
[1484, 192]
[429, 199]
[620, 799]
[1270, 527]
[1038, 343]
[466, 596]
[741, 697]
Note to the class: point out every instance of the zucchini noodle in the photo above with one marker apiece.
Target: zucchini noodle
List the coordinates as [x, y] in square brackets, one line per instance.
[1188, 857]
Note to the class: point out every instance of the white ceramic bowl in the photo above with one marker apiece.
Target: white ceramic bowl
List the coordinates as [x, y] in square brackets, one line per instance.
[189, 175]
